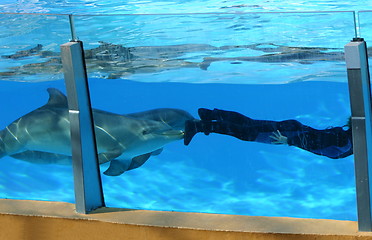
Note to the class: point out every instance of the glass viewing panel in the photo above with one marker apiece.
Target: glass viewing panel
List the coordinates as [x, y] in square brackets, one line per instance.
[265, 66]
[30, 49]
[34, 145]
[290, 68]
[365, 18]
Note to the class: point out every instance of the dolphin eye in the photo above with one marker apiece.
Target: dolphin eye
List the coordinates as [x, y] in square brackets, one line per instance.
[144, 132]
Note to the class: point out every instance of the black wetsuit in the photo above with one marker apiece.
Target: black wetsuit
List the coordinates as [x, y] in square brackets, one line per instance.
[332, 142]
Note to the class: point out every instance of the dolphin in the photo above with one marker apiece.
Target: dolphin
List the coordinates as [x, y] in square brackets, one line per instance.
[126, 141]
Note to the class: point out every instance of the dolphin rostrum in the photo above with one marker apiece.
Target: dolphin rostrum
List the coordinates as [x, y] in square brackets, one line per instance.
[126, 141]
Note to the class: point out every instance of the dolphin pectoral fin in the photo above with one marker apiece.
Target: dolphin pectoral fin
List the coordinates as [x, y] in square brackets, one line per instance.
[108, 156]
[116, 168]
[2, 149]
[139, 161]
[42, 157]
[157, 152]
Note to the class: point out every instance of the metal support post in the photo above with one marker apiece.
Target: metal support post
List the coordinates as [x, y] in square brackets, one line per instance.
[360, 100]
[87, 178]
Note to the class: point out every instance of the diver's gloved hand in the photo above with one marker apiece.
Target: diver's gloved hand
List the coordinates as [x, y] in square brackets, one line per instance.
[278, 138]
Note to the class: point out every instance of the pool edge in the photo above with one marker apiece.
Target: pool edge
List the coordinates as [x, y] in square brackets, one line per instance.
[26, 219]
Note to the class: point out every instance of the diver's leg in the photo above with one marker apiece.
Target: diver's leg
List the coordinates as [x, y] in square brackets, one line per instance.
[249, 130]
[244, 121]
[222, 115]
[239, 131]
[260, 130]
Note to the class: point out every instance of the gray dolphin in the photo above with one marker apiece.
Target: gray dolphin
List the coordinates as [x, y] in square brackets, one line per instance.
[127, 141]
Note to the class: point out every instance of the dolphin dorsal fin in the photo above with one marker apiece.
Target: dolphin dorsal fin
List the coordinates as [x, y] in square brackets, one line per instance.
[56, 98]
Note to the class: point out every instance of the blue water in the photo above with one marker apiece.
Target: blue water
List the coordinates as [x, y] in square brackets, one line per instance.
[216, 174]
[178, 6]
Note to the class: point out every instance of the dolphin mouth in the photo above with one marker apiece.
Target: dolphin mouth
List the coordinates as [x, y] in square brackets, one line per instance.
[173, 133]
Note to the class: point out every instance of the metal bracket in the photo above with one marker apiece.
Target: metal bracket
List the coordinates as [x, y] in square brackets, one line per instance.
[360, 101]
[87, 178]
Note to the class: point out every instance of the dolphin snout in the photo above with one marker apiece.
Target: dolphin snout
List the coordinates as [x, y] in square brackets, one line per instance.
[173, 132]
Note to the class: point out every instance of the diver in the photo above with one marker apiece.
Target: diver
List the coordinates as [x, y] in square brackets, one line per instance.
[334, 142]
